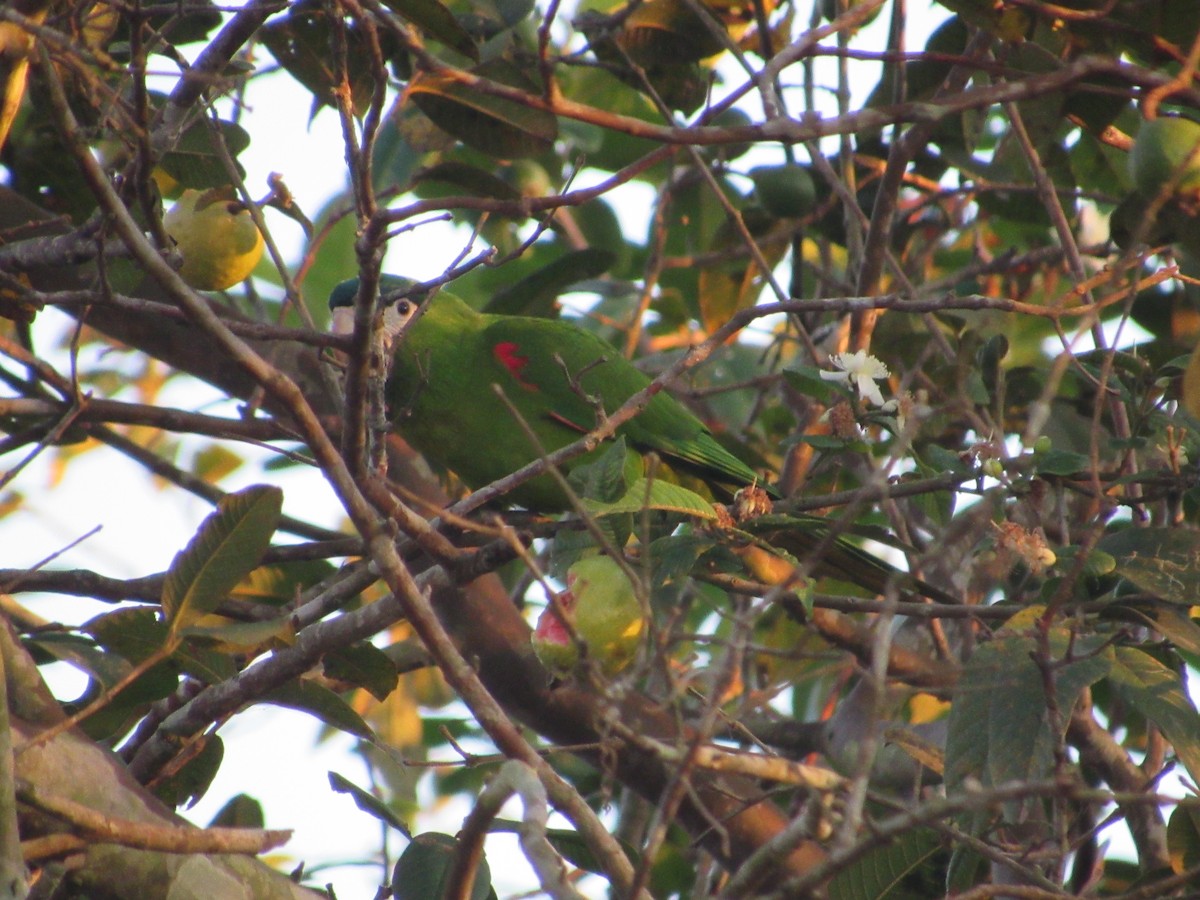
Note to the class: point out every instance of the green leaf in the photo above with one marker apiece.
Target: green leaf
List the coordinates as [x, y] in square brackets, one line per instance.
[674, 871]
[103, 666]
[364, 665]
[965, 865]
[1172, 621]
[423, 867]
[667, 32]
[278, 584]
[939, 459]
[242, 634]
[569, 844]
[1158, 694]
[310, 697]
[134, 634]
[192, 781]
[600, 227]
[1096, 564]
[184, 23]
[509, 13]
[121, 633]
[785, 191]
[129, 636]
[673, 557]
[1183, 835]
[1161, 561]
[368, 803]
[394, 160]
[535, 294]
[575, 850]
[832, 442]
[663, 495]
[438, 22]
[1098, 166]
[886, 872]
[1061, 462]
[693, 219]
[302, 42]
[493, 125]
[999, 728]
[214, 462]
[816, 528]
[225, 550]
[938, 506]
[462, 178]
[203, 663]
[196, 162]
[335, 258]
[726, 287]
[1043, 113]
[242, 811]
[605, 479]
[807, 381]
[1097, 105]
[606, 148]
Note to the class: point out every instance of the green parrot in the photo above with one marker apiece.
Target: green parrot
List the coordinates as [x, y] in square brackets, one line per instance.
[449, 363]
[441, 389]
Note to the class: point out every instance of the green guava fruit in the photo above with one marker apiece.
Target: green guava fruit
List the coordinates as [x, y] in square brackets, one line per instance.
[1166, 156]
[602, 606]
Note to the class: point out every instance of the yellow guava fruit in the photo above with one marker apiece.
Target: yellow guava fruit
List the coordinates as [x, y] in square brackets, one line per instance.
[215, 235]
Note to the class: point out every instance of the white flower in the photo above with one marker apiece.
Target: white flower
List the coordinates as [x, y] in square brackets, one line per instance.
[863, 369]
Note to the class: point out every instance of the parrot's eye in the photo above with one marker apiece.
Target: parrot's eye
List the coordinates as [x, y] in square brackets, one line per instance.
[396, 316]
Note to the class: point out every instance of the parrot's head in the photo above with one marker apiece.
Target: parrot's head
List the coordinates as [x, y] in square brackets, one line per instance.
[399, 299]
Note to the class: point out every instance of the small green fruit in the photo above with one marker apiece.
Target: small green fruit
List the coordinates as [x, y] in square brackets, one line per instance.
[729, 118]
[604, 612]
[1166, 154]
[529, 178]
[1129, 220]
[217, 238]
[786, 191]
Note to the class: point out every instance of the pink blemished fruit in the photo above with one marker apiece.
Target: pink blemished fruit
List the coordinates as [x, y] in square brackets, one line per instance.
[604, 612]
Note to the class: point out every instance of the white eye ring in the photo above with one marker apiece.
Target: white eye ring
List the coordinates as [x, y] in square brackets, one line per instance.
[397, 315]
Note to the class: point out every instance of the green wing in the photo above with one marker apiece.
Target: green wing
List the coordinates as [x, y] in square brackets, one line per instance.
[541, 358]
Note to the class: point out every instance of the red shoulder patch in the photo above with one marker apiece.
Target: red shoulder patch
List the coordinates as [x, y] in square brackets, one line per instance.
[508, 355]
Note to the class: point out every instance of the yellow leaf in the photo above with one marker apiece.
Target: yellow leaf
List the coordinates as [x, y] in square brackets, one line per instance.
[1191, 384]
[1024, 619]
